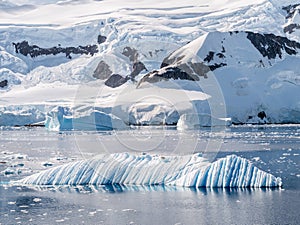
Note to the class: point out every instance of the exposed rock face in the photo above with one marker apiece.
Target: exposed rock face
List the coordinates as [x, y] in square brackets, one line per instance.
[131, 53]
[175, 68]
[116, 80]
[197, 68]
[291, 10]
[190, 71]
[209, 57]
[271, 46]
[179, 66]
[170, 60]
[291, 28]
[137, 68]
[102, 71]
[262, 115]
[216, 66]
[101, 39]
[3, 83]
[33, 50]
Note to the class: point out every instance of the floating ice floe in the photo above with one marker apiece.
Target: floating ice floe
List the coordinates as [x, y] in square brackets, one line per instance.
[61, 118]
[130, 169]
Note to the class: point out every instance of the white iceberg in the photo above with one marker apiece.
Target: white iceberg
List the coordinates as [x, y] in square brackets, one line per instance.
[144, 113]
[129, 169]
[194, 121]
[61, 118]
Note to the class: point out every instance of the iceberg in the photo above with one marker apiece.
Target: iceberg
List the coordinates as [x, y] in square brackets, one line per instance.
[151, 169]
[61, 118]
[154, 113]
[194, 121]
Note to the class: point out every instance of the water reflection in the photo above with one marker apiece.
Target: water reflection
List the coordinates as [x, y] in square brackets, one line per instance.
[116, 188]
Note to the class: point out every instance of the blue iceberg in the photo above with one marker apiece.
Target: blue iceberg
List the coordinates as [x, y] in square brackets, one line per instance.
[61, 118]
[130, 169]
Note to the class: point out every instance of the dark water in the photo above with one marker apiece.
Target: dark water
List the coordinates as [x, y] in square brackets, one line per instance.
[275, 149]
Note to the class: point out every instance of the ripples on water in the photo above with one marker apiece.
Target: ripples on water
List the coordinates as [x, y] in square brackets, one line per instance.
[274, 149]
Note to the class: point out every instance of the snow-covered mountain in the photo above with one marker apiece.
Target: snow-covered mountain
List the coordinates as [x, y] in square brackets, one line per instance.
[254, 71]
[148, 62]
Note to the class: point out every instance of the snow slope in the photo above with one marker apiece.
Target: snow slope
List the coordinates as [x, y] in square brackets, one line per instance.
[254, 78]
[251, 88]
[187, 171]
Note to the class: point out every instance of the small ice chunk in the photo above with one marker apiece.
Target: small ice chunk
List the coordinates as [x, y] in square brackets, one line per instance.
[128, 210]
[11, 171]
[37, 200]
[47, 164]
[256, 159]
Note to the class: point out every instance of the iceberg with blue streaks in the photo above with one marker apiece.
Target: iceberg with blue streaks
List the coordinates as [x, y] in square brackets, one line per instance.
[150, 169]
[61, 119]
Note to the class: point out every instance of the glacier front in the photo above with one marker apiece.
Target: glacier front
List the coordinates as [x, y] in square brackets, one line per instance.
[151, 169]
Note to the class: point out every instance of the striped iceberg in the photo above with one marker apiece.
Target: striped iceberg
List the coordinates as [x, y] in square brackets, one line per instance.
[146, 169]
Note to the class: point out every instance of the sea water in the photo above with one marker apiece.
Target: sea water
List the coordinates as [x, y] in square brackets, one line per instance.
[25, 151]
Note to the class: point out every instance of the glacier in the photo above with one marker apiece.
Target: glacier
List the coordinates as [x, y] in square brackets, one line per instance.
[152, 169]
[219, 39]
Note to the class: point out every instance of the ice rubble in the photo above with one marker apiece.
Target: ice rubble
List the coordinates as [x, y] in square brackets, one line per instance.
[129, 169]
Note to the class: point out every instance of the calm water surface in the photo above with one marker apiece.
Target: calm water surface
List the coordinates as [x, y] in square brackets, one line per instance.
[275, 149]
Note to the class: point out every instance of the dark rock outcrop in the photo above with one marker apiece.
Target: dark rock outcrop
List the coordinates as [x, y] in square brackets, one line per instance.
[101, 39]
[216, 66]
[3, 83]
[175, 73]
[271, 46]
[209, 57]
[116, 80]
[291, 11]
[200, 69]
[291, 28]
[221, 55]
[262, 115]
[33, 50]
[170, 61]
[102, 71]
[195, 70]
[131, 53]
[137, 68]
